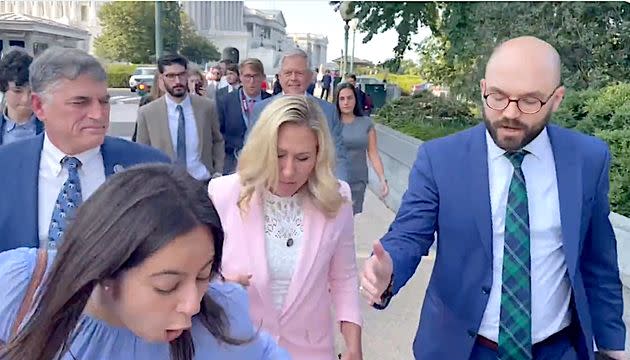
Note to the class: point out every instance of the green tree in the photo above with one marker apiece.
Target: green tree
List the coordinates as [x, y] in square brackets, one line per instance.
[129, 30]
[593, 39]
[194, 46]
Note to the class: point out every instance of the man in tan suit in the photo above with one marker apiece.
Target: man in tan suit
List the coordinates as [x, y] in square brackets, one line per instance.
[184, 126]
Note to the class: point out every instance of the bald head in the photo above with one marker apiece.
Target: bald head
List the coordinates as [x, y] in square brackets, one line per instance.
[521, 90]
[527, 53]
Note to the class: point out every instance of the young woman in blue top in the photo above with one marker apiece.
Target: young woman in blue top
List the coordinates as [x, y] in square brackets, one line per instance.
[131, 281]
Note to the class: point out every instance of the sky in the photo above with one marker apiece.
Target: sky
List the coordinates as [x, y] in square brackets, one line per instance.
[318, 17]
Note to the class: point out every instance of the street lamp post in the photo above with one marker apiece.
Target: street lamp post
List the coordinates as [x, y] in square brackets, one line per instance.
[347, 13]
[158, 30]
[354, 34]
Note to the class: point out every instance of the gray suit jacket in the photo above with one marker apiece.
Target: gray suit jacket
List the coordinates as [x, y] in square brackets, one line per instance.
[334, 124]
[153, 130]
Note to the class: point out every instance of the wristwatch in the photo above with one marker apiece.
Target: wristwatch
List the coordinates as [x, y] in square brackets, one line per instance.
[387, 295]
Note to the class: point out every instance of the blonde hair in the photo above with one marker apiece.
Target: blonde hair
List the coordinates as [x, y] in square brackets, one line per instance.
[258, 163]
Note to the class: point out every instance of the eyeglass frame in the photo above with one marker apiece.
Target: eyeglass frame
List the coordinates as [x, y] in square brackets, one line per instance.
[542, 103]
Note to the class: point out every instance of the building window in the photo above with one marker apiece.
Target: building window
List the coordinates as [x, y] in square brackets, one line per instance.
[19, 43]
[84, 13]
[250, 28]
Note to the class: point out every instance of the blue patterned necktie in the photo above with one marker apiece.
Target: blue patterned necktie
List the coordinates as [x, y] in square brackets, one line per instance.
[67, 202]
[181, 137]
[515, 324]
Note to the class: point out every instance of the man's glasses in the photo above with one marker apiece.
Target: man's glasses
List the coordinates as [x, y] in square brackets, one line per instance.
[526, 105]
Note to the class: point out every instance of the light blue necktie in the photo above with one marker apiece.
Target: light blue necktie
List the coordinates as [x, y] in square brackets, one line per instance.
[67, 202]
[181, 137]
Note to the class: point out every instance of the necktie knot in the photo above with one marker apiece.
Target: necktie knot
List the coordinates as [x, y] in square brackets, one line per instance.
[70, 163]
[516, 157]
[179, 108]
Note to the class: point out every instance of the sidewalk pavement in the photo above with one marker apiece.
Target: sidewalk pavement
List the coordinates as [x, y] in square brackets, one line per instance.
[388, 334]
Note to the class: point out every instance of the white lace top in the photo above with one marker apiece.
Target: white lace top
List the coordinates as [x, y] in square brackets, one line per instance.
[284, 220]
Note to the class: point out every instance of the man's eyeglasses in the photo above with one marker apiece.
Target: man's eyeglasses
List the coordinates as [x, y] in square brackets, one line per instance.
[248, 77]
[527, 105]
[173, 76]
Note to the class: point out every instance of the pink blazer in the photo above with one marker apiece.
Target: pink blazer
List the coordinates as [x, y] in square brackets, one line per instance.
[325, 275]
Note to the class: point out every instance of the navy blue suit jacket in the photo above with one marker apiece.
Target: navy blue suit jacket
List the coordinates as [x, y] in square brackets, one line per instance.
[334, 124]
[449, 194]
[20, 174]
[39, 126]
[231, 119]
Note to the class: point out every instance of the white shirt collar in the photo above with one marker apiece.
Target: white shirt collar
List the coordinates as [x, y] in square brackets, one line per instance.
[539, 147]
[171, 103]
[52, 156]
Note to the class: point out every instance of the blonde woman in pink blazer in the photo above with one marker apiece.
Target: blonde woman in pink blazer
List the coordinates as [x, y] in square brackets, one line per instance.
[289, 232]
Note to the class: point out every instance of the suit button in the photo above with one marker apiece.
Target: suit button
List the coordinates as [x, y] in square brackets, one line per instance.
[472, 333]
[485, 290]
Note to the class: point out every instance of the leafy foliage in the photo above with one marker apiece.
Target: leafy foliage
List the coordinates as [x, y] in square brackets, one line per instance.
[619, 142]
[426, 116]
[129, 33]
[593, 38]
[118, 75]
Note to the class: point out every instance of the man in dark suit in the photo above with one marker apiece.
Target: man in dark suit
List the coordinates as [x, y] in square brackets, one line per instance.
[45, 178]
[526, 263]
[236, 110]
[295, 76]
[17, 120]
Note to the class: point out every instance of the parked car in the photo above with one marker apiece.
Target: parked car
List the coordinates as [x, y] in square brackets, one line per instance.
[144, 87]
[143, 73]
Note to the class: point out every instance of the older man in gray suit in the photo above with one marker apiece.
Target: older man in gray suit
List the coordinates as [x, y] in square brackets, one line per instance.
[295, 77]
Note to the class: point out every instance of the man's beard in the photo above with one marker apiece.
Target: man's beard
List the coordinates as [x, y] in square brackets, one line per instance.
[530, 133]
[171, 90]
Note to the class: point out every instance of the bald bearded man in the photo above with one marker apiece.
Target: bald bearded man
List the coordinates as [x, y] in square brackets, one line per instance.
[526, 263]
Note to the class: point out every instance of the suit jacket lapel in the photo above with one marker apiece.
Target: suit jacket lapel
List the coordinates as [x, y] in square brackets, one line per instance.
[480, 186]
[29, 171]
[314, 222]
[258, 251]
[161, 124]
[110, 156]
[569, 177]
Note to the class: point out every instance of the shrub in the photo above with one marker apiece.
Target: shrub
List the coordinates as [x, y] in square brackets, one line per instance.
[573, 107]
[619, 142]
[118, 75]
[611, 103]
[426, 116]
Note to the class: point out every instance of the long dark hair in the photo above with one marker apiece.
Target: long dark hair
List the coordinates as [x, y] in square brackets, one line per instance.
[357, 110]
[129, 218]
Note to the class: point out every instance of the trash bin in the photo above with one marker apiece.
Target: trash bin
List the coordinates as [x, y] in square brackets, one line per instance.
[377, 93]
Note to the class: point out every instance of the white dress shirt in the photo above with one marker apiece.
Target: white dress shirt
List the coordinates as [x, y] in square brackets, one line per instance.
[193, 155]
[52, 176]
[550, 288]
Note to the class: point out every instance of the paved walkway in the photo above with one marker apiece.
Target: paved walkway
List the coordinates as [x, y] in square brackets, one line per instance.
[388, 334]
